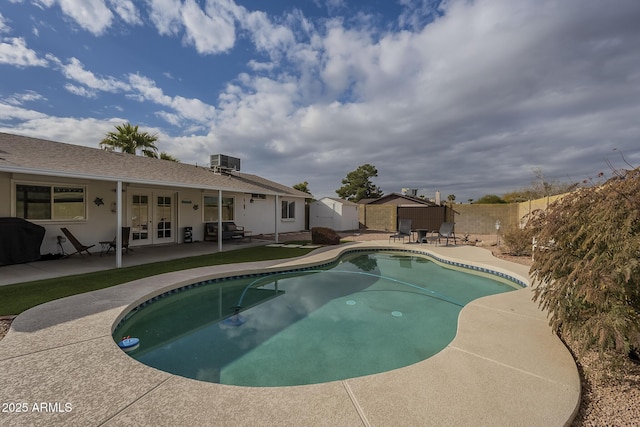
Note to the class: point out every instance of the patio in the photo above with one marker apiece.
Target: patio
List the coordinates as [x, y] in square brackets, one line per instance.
[505, 367]
[79, 264]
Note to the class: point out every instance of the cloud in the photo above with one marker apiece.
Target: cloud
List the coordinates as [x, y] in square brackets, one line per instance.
[166, 16]
[212, 30]
[4, 27]
[22, 98]
[10, 112]
[462, 97]
[185, 108]
[14, 51]
[92, 15]
[127, 11]
[74, 70]
[267, 37]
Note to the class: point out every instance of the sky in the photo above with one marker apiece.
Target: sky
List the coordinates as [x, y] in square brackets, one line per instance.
[464, 97]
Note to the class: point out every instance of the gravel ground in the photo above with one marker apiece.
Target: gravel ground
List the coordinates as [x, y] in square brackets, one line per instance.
[607, 399]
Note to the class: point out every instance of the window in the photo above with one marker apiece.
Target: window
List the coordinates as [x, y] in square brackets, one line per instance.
[288, 210]
[210, 210]
[50, 202]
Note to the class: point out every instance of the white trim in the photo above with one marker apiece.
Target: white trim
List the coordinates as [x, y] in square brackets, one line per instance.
[134, 181]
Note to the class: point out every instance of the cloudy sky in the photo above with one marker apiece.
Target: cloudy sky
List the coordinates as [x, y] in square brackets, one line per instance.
[467, 97]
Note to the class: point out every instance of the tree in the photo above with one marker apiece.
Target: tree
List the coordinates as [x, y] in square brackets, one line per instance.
[167, 156]
[539, 188]
[302, 186]
[489, 199]
[357, 185]
[451, 198]
[588, 272]
[128, 139]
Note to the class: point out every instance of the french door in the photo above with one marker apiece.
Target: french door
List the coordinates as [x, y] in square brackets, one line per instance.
[151, 217]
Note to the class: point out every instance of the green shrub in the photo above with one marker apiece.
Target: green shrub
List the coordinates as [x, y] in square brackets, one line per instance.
[324, 236]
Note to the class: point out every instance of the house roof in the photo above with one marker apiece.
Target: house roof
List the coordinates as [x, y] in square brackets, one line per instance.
[21, 154]
[397, 199]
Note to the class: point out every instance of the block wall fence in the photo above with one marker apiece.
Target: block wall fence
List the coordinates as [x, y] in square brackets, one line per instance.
[471, 218]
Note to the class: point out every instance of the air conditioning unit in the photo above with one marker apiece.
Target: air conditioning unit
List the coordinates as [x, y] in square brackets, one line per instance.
[221, 162]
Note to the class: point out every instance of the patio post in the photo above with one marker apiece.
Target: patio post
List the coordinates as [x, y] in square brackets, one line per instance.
[118, 224]
[219, 220]
[276, 223]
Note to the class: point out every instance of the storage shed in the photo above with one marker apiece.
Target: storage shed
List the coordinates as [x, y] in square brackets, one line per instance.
[334, 213]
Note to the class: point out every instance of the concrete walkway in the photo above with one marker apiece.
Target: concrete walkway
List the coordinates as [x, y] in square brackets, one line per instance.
[505, 367]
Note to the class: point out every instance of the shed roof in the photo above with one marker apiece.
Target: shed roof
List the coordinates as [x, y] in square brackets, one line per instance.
[338, 200]
[396, 198]
[22, 154]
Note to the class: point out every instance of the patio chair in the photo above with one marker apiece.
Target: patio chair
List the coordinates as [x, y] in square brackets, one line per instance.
[76, 244]
[404, 230]
[446, 232]
[126, 231]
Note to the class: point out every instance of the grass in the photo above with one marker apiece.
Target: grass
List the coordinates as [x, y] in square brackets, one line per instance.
[14, 299]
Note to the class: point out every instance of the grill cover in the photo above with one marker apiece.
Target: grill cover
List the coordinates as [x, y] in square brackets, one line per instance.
[20, 241]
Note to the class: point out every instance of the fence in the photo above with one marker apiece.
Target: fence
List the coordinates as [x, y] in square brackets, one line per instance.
[472, 218]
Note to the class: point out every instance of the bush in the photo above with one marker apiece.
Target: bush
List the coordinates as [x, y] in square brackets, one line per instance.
[324, 236]
[519, 241]
[589, 279]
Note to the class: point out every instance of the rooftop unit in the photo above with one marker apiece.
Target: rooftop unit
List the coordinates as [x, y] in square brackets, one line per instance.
[413, 192]
[224, 164]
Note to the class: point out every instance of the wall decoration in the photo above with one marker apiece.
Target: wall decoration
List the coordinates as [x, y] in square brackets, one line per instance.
[98, 201]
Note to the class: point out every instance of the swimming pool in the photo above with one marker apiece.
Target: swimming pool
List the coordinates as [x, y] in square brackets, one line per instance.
[366, 313]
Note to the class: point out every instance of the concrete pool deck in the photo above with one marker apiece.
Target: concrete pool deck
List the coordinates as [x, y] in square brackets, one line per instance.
[505, 367]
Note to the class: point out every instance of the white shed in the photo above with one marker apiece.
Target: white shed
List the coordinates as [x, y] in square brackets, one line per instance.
[334, 213]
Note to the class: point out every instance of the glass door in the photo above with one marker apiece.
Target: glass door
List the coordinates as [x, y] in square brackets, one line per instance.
[151, 217]
[140, 219]
[163, 219]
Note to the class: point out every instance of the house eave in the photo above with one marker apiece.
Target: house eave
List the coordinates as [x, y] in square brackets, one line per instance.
[138, 181]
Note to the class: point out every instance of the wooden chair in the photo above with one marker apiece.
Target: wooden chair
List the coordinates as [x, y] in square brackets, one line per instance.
[76, 244]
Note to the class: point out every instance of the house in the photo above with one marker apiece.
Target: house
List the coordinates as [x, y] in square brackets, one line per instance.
[94, 192]
[334, 213]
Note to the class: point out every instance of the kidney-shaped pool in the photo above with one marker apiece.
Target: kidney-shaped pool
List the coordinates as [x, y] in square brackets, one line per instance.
[368, 312]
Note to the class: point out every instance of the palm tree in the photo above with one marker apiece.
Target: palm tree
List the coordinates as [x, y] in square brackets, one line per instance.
[127, 139]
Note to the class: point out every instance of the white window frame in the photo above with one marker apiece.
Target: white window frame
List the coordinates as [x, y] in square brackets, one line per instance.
[215, 197]
[288, 214]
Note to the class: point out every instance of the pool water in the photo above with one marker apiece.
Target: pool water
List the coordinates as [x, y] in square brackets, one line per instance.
[367, 313]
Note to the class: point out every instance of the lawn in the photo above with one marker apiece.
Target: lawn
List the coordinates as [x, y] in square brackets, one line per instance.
[14, 299]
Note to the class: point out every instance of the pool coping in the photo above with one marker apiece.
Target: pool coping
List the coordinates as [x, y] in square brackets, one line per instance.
[504, 367]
